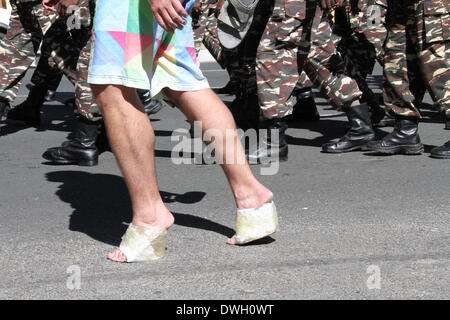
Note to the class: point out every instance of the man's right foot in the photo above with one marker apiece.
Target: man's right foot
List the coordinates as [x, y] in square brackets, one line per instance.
[447, 124]
[165, 221]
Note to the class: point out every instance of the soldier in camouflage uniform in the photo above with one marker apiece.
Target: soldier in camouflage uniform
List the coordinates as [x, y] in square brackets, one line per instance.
[28, 24]
[297, 38]
[360, 27]
[417, 31]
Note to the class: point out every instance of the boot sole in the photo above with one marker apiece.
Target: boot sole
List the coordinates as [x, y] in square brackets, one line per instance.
[83, 163]
[434, 156]
[268, 160]
[23, 122]
[358, 148]
[408, 150]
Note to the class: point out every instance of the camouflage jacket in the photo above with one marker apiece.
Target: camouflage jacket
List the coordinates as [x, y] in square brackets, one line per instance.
[436, 7]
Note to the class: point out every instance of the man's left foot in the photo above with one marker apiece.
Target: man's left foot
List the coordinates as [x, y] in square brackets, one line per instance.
[442, 152]
[447, 124]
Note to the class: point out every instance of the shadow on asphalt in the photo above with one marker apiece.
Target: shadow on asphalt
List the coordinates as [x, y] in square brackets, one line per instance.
[54, 118]
[102, 206]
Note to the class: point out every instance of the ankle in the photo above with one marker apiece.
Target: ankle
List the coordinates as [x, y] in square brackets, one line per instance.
[253, 197]
[161, 218]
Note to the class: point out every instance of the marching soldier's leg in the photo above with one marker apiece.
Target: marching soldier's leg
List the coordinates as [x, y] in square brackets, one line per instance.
[72, 57]
[433, 23]
[45, 76]
[19, 46]
[358, 54]
[273, 81]
[81, 149]
[406, 42]
[305, 108]
[327, 70]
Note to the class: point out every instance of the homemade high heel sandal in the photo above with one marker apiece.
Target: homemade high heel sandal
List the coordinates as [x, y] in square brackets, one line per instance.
[141, 244]
[254, 224]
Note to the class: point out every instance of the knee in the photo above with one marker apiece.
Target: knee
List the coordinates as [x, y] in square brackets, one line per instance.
[112, 95]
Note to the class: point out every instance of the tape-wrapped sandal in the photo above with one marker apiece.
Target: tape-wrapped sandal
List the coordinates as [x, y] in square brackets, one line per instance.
[254, 224]
[141, 244]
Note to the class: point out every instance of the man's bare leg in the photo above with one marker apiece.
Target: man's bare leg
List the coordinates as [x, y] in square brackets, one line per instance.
[206, 107]
[132, 140]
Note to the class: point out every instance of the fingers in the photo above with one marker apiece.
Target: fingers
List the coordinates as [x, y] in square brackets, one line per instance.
[170, 15]
[161, 21]
[176, 18]
[176, 4]
[170, 25]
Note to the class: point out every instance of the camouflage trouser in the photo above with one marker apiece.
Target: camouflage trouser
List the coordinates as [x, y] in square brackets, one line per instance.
[45, 74]
[360, 24]
[204, 22]
[205, 33]
[298, 38]
[28, 24]
[86, 105]
[368, 18]
[244, 57]
[245, 60]
[418, 37]
[71, 54]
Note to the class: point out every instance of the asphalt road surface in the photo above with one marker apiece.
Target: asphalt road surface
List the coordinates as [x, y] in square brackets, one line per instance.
[356, 225]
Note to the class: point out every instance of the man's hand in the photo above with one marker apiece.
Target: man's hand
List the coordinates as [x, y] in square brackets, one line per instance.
[170, 14]
[328, 4]
[59, 6]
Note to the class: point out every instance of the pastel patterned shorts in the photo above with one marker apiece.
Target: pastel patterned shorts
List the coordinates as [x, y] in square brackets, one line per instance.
[132, 50]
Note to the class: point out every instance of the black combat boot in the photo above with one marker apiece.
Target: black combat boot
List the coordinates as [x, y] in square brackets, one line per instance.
[4, 107]
[442, 152]
[151, 106]
[269, 150]
[387, 121]
[380, 117]
[29, 111]
[305, 109]
[403, 140]
[81, 149]
[358, 135]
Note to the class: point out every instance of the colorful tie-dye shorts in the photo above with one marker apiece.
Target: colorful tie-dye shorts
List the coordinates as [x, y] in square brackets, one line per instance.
[132, 50]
